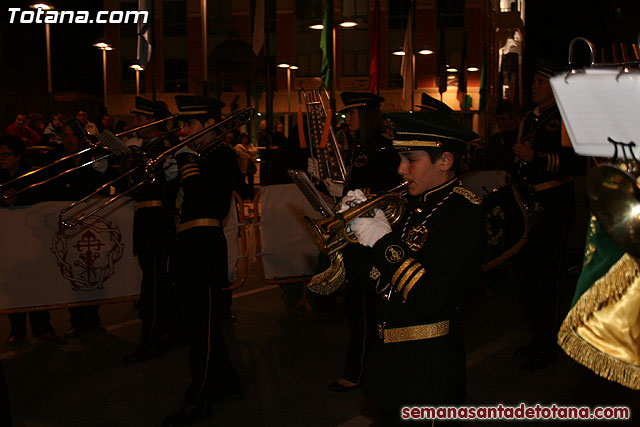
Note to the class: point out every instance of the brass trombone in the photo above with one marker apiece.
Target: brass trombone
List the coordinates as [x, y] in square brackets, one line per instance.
[106, 140]
[319, 115]
[146, 165]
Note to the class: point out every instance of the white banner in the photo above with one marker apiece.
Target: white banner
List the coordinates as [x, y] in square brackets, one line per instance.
[44, 265]
[287, 247]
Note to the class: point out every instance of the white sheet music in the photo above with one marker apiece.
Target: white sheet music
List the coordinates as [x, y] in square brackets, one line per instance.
[597, 105]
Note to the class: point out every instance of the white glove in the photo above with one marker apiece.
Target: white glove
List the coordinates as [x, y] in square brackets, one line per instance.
[334, 188]
[186, 149]
[100, 166]
[312, 168]
[170, 167]
[370, 230]
[352, 198]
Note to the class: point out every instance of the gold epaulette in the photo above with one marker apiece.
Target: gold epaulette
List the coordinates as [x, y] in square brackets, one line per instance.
[468, 194]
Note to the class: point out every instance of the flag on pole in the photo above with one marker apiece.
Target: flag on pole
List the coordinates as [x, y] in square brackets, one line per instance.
[406, 68]
[462, 78]
[483, 81]
[143, 54]
[442, 60]
[600, 331]
[326, 43]
[258, 28]
[374, 49]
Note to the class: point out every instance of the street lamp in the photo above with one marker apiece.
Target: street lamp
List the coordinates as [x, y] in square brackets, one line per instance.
[347, 23]
[104, 47]
[289, 67]
[401, 52]
[138, 68]
[45, 6]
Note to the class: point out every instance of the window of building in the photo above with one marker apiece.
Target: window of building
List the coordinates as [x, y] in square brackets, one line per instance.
[175, 75]
[398, 16]
[357, 9]
[174, 46]
[355, 53]
[219, 17]
[174, 18]
[308, 53]
[398, 13]
[451, 13]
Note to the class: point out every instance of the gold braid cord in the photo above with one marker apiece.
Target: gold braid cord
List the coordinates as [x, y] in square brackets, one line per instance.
[331, 279]
[587, 335]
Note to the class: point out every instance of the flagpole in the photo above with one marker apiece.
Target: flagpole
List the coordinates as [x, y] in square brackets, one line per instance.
[204, 47]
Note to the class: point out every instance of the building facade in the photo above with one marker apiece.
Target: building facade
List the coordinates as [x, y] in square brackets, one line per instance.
[483, 37]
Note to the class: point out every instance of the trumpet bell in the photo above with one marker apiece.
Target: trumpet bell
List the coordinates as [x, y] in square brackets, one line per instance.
[332, 234]
[615, 199]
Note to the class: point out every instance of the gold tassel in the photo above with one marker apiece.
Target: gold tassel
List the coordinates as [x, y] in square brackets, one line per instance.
[331, 279]
[607, 290]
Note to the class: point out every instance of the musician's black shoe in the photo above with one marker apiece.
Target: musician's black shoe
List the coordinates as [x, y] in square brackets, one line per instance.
[142, 355]
[234, 392]
[15, 339]
[76, 331]
[342, 385]
[190, 413]
[525, 350]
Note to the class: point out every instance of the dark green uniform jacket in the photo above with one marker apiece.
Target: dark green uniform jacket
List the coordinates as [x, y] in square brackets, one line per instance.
[428, 260]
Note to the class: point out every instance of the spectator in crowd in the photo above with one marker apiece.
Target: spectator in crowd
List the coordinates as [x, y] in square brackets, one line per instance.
[247, 155]
[35, 121]
[19, 128]
[262, 136]
[53, 131]
[107, 123]
[12, 165]
[278, 139]
[83, 118]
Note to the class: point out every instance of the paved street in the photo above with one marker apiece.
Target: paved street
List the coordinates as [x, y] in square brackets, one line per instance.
[285, 356]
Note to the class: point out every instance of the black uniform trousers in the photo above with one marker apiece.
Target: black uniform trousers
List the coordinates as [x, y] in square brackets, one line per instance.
[539, 266]
[360, 305]
[40, 324]
[152, 242]
[5, 408]
[200, 274]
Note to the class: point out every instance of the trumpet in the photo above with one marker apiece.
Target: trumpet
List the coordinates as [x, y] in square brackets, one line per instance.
[146, 165]
[332, 234]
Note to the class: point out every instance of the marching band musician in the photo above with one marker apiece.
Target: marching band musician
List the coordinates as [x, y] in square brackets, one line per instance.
[545, 170]
[374, 166]
[206, 186]
[153, 235]
[422, 269]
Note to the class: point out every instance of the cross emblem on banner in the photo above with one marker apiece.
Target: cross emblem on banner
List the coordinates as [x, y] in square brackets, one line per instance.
[91, 247]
